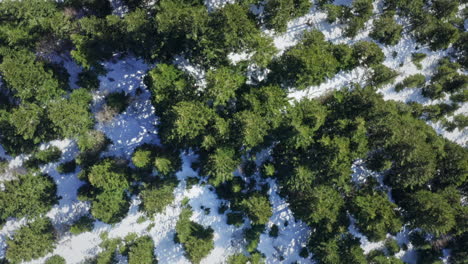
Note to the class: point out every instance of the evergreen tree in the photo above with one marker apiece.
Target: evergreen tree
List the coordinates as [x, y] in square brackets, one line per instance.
[34, 240]
[29, 195]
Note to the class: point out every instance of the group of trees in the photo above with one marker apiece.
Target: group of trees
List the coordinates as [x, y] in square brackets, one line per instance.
[313, 142]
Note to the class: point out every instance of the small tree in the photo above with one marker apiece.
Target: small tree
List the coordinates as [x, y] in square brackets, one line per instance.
[34, 240]
[28, 196]
[440, 214]
[83, 224]
[382, 75]
[196, 239]
[110, 206]
[386, 30]
[368, 53]
[142, 251]
[257, 208]
[375, 216]
[156, 198]
[55, 259]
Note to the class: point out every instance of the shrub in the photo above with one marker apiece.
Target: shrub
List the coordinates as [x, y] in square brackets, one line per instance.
[375, 216]
[67, 167]
[110, 206]
[386, 30]
[156, 198]
[252, 235]
[308, 63]
[51, 154]
[196, 239]
[368, 53]
[141, 251]
[382, 75]
[274, 231]
[392, 246]
[142, 158]
[45, 156]
[34, 240]
[118, 101]
[412, 81]
[55, 259]
[83, 224]
[88, 79]
[416, 58]
[257, 208]
[235, 218]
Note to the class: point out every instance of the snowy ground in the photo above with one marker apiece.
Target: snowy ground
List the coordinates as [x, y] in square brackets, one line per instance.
[135, 126]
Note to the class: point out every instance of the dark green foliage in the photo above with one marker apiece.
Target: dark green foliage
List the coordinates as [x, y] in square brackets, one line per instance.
[461, 49]
[83, 224]
[109, 181]
[196, 239]
[360, 12]
[118, 101]
[252, 236]
[235, 218]
[416, 58]
[34, 240]
[313, 142]
[91, 143]
[221, 165]
[445, 80]
[334, 12]
[459, 121]
[42, 157]
[368, 53]
[168, 85]
[382, 75]
[142, 251]
[55, 259]
[304, 252]
[274, 231]
[436, 33]
[279, 12]
[258, 208]
[166, 162]
[222, 84]
[439, 209]
[380, 258]
[321, 207]
[392, 246]
[27, 77]
[375, 216]
[156, 197]
[308, 63]
[67, 167]
[255, 258]
[108, 175]
[460, 97]
[72, 117]
[88, 79]
[142, 158]
[386, 30]
[412, 81]
[110, 206]
[340, 249]
[51, 154]
[29, 195]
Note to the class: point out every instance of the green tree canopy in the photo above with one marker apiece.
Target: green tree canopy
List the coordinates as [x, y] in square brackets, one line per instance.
[34, 240]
